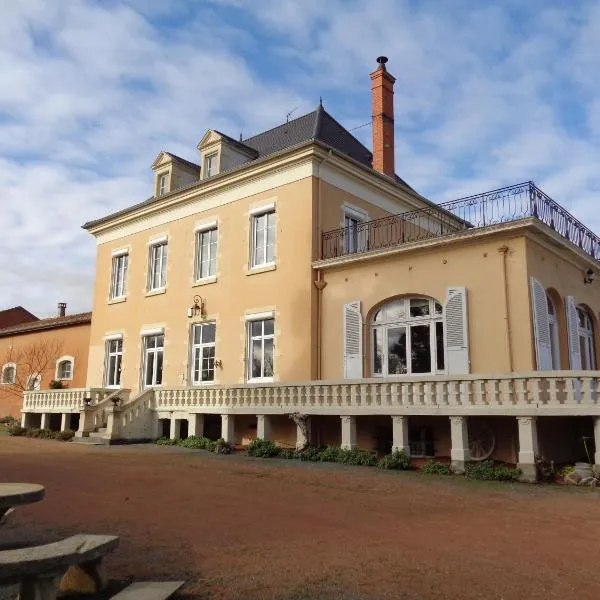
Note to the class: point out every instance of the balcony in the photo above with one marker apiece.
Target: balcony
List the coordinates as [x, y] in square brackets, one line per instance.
[504, 205]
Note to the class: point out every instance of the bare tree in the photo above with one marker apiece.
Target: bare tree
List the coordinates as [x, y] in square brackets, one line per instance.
[23, 365]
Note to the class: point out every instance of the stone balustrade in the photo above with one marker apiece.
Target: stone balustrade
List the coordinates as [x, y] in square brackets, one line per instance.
[61, 401]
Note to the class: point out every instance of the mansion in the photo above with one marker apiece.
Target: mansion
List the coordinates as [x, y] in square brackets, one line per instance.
[295, 272]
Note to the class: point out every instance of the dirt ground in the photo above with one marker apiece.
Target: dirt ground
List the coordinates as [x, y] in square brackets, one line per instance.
[236, 527]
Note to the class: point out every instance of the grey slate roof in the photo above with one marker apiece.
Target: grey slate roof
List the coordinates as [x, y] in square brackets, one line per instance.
[318, 126]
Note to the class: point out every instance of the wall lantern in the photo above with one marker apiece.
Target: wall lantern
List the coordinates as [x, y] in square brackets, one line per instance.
[87, 401]
[197, 308]
[589, 276]
[116, 401]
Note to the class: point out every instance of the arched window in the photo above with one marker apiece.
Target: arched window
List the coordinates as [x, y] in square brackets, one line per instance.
[64, 368]
[9, 373]
[586, 339]
[407, 338]
[554, 339]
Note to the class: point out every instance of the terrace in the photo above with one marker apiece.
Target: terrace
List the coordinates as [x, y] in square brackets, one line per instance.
[504, 205]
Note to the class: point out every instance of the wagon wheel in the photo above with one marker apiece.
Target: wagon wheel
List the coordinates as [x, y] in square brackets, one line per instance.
[482, 440]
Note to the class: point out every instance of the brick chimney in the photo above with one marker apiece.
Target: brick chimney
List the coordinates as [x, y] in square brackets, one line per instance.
[62, 309]
[382, 89]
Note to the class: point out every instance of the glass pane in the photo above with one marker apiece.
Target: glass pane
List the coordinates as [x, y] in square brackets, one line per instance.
[270, 253]
[378, 316]
[396, 351]
[271, 228]
[149, 368]
[550, 305]
[117, 374]
[160, 341]
[208, 363]
[256, 328]
[208, 332]
[584, 354]
[268, 369]
[394, 310]
[377, 351]
[420, 345]
[159, 367]
[112, 367]
[151, 341]
[439, 345]
[197, 333]
[438, 308]
[419, 307]
[212, 266]
[256, 358]
[269, 326]
[196, 374]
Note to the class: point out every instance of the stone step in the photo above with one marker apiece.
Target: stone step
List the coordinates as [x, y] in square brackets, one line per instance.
[101, 430]
[93, 440]
[149, 590]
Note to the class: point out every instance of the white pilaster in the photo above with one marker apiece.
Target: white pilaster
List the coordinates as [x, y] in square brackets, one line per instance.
[348, 432]
[175, 431]
[459, 453]
[196, 425]
[528, 447]
[24, 419]
[400, 435]
[45, 421]
[65, 421]
[597, 440]
[263, 427]
[228, 428]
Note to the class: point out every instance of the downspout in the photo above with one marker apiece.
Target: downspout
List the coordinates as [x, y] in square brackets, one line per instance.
[320, 283]
[504, 250]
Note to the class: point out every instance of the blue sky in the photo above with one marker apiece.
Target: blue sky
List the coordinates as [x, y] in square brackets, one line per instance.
[487, 94]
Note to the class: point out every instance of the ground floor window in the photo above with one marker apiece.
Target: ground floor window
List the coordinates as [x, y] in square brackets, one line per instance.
[203, 353]
[154, 346]
[407, 337]
[114, 358]
[420, 441]
[261, 340]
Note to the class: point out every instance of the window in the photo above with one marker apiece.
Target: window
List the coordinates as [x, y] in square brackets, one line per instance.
[421, 441]
[114, 359]
[153, 359]
[210, 165]
[350, 234]
[163, 184]
[263, 239]
[118, 286]
[407, 338]
[157, 272]
[203, 353]
[64, 368]
[586, 339]
[553, 325]
[33, 383]
[9, 373]
[206, 253]
[261, 334]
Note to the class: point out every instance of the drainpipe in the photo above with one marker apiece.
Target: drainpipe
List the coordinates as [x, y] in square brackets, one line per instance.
[504, 250]
[320, 283]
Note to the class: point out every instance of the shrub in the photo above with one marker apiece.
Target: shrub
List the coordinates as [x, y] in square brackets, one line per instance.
[44, 434]
[566, 470]
[396, 460]
[488, 471]
[222, 447]
[9, 421]
[287, 453]
[65, 435]
[263, 448]
[197, 442]
[362, 458]
[165, 442]
[433, 467]
[56, 384]
[330, 454]
[16, 430]
[309, 454]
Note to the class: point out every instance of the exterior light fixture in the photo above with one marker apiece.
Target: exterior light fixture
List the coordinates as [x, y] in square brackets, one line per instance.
[116, 401]
[197, 308]
[87, 401]
[589, 276]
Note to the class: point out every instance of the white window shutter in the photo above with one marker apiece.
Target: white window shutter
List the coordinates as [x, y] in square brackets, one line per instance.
[456, 331]
[353, 363]
[573, 333]
[541, 326]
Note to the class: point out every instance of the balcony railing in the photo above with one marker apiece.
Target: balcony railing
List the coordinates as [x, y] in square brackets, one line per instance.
[490, 208]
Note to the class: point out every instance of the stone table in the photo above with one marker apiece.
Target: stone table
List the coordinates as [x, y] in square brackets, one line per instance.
[16, 494]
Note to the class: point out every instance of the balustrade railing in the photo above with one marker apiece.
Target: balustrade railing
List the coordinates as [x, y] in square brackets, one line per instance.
[62, 400]
[490, 208]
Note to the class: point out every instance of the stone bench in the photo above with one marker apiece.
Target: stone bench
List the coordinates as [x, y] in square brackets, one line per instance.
[75, 561]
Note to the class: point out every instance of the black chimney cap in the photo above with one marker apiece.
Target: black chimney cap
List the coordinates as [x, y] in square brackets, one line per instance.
[382, 60]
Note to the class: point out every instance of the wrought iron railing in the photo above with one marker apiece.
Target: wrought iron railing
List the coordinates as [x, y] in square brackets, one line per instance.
[490, 208]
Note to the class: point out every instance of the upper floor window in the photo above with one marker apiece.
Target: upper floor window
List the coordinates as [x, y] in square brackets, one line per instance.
[553, 331]
[586, 339]
[9, 373]
[163, 184]
[407, 337]
[350, 234]
[203, 353]
[210, 165]
[157, 269]
[154, 346]
[114, 358]
[34, 383]
[263, 239]
[206, 253]
[64, 368]
[261, 340]
[118, 286]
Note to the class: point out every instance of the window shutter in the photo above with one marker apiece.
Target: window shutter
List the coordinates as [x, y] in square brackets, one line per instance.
[541, 326]
[456, 331]
[353, 368]
[573, 333]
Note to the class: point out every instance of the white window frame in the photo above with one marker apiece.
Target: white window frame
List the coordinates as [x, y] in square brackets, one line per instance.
[250, 320]
[155, 351]
[262, 259]
[198, 348]
[554, 338]
[407, 322]
[157, 258]
[163, 184]
[8, 365]
[352, 216]
[198, 262]
[61, 360]
[118, 354]
[586, 335]
[118, 279]
[210, 164]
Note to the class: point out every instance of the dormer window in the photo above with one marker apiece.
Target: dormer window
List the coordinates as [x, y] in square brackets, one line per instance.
[163, 184]
[210, 165]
